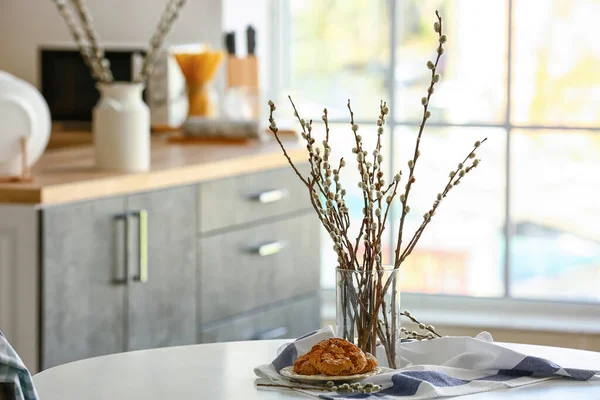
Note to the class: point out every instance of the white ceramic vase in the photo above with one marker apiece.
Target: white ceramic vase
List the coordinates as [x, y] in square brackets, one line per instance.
[121, 126]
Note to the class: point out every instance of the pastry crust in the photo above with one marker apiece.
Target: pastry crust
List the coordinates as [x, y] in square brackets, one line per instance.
[337, 357]
[371, 363]
[302, 366]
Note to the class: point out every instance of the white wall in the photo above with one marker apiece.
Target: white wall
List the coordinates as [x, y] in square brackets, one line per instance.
[25, 24]
[264, 15]
[237, 15]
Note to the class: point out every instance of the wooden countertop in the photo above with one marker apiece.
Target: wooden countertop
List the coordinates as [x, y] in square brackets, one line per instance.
[68, 175]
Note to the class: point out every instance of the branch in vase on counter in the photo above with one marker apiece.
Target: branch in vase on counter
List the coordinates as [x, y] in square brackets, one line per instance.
[101, 62]
[89, 58]
[86, 37]
[167, 19]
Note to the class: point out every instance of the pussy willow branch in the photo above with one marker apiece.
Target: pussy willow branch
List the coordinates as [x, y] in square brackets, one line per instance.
[377, 160]
[165, 24]
[77, 34]
[315, 202]
[372, 249]
[334, 217]
[91, 51]
[455, 175]
[363, 301]
[359, 154]
[101, 63]
[425, 102]
[322, 388]
[274, 129]
[422, 326]
[338, 220]
[374, 231]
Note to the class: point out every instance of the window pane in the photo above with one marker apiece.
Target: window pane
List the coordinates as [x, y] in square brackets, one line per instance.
[555, 250]
[555, 78]
[473, 68]
[339, 51]
[462, 250]
[342, 142]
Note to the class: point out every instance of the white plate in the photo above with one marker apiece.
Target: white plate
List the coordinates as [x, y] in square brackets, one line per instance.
[23, 112]
[288, 372]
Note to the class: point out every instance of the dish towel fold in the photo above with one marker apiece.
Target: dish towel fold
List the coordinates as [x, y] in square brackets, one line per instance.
[14, 374]
[443, 367]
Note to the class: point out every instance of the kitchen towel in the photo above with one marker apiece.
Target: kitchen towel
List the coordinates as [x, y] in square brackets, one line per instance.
[443, 367]
[14, 373]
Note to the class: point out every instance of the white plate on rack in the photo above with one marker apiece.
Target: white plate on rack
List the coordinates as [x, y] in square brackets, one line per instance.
[289, 373]
[23, 113]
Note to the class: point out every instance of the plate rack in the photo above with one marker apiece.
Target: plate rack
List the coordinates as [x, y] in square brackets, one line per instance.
[25, 175]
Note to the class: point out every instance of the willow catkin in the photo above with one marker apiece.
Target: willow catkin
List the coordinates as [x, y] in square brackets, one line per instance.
[165, 24]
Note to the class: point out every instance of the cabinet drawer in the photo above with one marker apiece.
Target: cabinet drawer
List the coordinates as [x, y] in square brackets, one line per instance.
[248, 198]
[287, 321]
[254, 267]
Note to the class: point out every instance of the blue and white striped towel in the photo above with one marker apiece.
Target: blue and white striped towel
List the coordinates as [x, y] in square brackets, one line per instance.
[13, 372]
[449, 366]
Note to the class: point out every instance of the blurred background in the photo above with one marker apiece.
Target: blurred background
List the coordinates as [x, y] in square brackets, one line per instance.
[521, 73]
[515, 249]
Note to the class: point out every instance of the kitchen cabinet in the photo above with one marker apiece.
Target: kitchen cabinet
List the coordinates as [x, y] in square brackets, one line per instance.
[213, 244]
[118, 275]
[83, 309]
[162, 307]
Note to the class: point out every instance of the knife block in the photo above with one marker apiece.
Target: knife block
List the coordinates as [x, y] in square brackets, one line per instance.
[242, 72]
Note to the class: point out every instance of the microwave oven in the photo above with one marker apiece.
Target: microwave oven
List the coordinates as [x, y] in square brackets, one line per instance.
[67, 84]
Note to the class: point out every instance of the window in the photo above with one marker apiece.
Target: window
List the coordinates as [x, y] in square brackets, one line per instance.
[523, 74]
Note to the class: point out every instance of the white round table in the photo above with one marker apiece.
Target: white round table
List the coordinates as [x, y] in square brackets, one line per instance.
[225, 371]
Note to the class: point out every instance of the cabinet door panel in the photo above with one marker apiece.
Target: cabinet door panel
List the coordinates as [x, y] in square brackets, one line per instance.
[245, 199]
[290, 320]
[19, 279]
[162, 310]
[82, 308]
[257, 266]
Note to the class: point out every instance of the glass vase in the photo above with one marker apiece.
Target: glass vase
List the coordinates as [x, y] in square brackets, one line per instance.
[203, 100]
[368, 310]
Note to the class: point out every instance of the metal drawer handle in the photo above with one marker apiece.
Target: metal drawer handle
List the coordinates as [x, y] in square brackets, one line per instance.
[271, 196]
[268, 249]
[142, 217]
[122, 278]
[275, 333]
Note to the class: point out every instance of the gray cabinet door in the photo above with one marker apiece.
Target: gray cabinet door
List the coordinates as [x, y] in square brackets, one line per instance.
[289, 320]
[82, 306]
[242, 270]
[242, 200]
[162, 310]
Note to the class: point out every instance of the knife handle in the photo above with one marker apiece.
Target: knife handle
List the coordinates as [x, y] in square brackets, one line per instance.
[251, 40]
[230, 43]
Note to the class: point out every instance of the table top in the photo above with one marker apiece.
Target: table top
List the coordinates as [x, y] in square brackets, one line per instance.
[225, 371]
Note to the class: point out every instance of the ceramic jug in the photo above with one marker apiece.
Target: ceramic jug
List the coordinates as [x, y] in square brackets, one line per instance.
[121, 126]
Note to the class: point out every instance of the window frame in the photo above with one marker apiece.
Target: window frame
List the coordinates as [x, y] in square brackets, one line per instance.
[584, 315]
